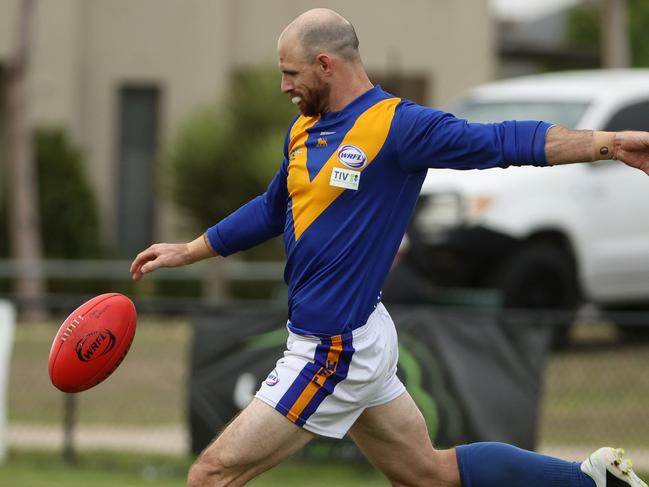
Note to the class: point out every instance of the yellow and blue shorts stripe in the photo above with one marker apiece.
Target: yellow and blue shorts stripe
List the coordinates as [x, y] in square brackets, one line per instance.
[317, 379]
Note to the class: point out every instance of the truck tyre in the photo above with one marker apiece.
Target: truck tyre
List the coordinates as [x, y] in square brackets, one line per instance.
[632, 322]
[541, 276]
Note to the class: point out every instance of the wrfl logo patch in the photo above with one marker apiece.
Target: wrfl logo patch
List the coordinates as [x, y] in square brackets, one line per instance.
[351, 156]
[273, 378]
[94, 345]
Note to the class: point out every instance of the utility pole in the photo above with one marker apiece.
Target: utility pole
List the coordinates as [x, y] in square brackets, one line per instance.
[616, 52]
[22, 185]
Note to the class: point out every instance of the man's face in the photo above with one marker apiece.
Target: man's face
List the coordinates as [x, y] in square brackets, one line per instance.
[302, 81]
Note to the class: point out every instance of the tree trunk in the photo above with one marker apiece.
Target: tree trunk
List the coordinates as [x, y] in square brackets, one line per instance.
[22, 185]
[616, 51]
[215, 282]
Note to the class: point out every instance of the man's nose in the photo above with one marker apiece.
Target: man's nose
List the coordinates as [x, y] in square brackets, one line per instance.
[287, 86]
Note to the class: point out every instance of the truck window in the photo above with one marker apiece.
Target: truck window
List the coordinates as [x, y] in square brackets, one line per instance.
[564, 113]
[631, 117]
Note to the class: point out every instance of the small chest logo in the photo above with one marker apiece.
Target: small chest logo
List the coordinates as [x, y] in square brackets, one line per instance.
[94, 345]
[294, 153]
[345, 178]
[351, 156]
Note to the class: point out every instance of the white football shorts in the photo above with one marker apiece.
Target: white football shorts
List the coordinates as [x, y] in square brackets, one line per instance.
[324, 384]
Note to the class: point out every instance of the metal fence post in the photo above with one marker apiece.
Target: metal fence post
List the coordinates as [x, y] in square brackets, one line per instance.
[7, 327]
[69, 417]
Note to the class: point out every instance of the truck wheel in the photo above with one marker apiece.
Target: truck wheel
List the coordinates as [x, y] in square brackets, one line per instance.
[541, 276]
[632, 322]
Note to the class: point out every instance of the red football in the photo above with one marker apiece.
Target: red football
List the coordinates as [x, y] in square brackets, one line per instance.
[92, 342]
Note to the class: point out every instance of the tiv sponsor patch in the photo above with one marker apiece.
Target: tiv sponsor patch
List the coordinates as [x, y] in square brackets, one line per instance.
[345, 178]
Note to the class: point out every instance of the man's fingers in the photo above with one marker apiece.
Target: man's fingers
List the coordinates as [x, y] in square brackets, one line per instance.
[157, 260]
[144, 256]
[140, 270]
[135, 265]
[156, 256]
[137, 262]
[150, 266]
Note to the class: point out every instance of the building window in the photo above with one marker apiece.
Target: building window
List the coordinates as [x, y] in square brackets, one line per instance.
[138, 144]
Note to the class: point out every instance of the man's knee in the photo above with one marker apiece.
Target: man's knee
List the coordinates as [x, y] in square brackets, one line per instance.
[197, 476]
[213, 470]
[439, 468]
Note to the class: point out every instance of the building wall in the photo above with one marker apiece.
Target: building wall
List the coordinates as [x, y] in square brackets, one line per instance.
[178, 46]
[85, 50]
[451, 42]
[8, 10]
[52, 84]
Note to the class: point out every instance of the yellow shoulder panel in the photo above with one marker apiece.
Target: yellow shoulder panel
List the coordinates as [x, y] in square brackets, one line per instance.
[311, 198]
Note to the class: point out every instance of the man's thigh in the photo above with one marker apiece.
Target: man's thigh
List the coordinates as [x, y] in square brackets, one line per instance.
[256, 440]
[395, 439]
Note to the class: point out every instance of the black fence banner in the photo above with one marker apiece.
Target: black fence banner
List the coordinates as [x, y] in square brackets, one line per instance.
[475, 376]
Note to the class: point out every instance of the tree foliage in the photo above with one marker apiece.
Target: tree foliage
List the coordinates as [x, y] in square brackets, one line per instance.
[584, 29]
[68, 208]
[70, 216]
[227, 153]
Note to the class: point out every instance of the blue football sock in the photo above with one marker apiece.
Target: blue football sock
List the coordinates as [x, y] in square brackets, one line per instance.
[501, 465]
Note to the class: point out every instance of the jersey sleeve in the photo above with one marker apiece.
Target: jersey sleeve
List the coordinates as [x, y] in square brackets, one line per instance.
[261, 219]
[429, 138]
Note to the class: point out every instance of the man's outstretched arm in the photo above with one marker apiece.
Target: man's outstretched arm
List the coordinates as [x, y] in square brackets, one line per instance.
[171, 255]
[565, 146]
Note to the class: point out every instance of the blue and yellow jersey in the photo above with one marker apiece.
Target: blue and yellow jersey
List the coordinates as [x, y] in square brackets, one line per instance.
[344, 194]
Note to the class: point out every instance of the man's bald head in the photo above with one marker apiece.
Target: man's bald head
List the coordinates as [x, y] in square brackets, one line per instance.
[322, 30]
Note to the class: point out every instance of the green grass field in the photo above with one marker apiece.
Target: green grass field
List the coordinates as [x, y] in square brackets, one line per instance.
[592, 396]
[582, 386]
[148, 388]
[596, 392]
[31, 469]
[37, 469]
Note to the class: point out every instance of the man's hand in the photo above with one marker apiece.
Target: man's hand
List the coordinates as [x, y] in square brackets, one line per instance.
[632, 148]
[565, 146]
[170, 255]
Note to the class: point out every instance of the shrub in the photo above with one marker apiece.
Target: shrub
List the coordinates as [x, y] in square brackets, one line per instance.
[68, 209]
[225, 154]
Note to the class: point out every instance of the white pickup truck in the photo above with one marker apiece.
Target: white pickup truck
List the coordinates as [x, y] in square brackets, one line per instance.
[545, 237]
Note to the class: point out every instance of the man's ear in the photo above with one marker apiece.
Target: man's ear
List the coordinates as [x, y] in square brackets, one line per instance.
[324, 62]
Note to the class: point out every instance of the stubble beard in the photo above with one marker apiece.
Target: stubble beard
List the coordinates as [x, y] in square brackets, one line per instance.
[315, 101]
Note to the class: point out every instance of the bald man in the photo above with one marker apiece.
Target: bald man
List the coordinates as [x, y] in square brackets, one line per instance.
[354, 162]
